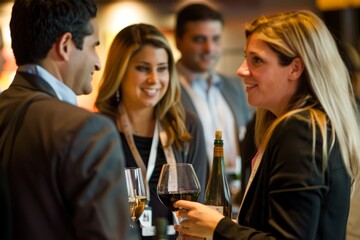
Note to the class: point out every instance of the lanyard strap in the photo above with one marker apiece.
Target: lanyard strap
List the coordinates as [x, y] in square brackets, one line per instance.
[168, 151]
[124, 124]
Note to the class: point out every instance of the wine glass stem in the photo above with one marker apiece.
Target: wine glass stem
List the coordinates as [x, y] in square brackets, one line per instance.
[181, 236]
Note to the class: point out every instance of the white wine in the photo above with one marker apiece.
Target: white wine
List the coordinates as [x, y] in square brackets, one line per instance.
[137, 206]
[217, 194]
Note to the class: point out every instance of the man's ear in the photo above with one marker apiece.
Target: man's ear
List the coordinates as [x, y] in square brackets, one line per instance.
[297, 68]
[64, 45]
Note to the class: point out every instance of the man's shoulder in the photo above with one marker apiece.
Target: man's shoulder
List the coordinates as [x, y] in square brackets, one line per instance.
[231, 86]
[56, 114]
[66, 110]
[191, 118]
[232, 81]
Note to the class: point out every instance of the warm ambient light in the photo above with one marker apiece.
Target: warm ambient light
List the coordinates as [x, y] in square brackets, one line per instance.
[326, 5]
[10, 67]
[119, 15]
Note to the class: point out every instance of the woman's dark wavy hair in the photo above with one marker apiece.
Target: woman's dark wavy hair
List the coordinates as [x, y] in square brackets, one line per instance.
[36, 25]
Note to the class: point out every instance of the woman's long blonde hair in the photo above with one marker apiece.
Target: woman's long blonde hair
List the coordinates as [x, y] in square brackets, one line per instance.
[126, 44]
[325, 83]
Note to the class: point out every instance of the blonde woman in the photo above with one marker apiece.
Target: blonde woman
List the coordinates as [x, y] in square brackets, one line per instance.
[140, 91]
[307, 135]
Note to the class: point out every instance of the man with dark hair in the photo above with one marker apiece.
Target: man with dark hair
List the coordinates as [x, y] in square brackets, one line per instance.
[220, 102]
[64, 165]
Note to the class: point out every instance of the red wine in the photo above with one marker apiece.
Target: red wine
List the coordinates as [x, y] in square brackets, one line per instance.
[168, 199]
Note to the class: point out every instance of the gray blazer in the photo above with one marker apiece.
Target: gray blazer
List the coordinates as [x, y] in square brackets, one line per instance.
[64, 166]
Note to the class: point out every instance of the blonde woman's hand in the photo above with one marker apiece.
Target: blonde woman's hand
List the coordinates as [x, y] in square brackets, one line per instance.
[199, 221]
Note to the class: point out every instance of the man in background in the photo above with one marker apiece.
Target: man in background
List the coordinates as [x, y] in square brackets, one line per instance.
[219, 101]
[64, 165]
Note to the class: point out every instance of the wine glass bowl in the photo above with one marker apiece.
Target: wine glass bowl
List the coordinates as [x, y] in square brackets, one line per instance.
[177, 182]
[168, 199]
[136, 192]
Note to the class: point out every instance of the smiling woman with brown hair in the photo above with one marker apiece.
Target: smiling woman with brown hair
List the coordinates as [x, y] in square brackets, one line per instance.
[140, 91]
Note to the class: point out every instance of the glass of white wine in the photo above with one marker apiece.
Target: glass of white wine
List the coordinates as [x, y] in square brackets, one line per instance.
[136, 192]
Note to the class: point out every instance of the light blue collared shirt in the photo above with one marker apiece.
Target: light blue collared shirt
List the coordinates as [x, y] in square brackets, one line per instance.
[214, 113]
[63, 92]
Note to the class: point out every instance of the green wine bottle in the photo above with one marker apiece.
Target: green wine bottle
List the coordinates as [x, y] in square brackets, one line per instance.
[161, 229]
[217, 194]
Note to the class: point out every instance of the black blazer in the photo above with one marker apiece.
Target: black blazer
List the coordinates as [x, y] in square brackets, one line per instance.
[291, 196]
[64, 165]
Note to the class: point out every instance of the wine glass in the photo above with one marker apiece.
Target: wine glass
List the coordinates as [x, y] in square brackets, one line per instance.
[136, 192]
[177, 182]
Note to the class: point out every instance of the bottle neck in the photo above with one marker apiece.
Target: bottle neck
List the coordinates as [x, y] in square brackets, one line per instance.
[218, 151]
[218, 158]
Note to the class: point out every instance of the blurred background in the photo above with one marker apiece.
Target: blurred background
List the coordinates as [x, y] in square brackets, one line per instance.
[341, 16]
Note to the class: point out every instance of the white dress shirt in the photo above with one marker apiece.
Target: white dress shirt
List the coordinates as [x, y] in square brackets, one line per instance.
[63, 92]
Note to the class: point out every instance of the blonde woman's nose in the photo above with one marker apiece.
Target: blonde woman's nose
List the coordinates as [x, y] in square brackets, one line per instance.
[243, 70]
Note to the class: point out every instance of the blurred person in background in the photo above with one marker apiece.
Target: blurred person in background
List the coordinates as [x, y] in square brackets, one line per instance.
[307, 133]
[219, 101]
[64, 165]
[351, 58]
[140, 91]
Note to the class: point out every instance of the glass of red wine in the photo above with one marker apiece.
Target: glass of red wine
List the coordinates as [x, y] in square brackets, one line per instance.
[177, 182]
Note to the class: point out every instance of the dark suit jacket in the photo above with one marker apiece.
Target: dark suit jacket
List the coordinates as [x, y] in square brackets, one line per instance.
[291, 196]
[64, 165]
[5, 214]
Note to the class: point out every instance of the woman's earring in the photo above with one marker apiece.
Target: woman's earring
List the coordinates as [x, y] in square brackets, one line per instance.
[117, 96]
